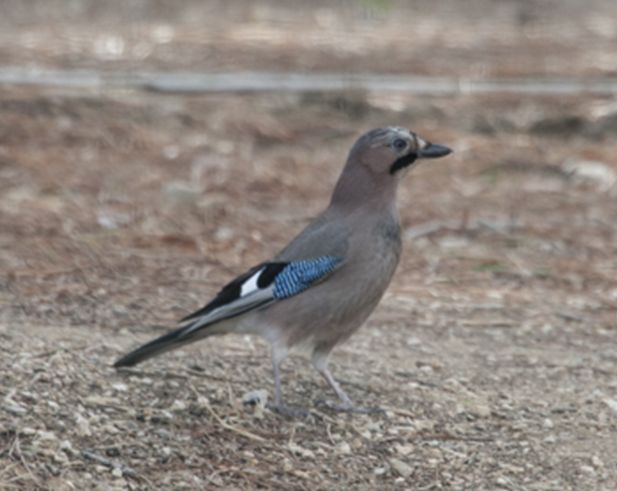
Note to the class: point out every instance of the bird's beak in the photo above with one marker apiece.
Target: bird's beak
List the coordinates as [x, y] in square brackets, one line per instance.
[430, 150]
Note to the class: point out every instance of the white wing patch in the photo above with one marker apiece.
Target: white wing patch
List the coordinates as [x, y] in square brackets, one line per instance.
[250, 285]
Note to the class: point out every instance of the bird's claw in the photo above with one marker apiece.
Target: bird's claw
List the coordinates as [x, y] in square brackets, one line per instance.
[289, 411]
[348, 408]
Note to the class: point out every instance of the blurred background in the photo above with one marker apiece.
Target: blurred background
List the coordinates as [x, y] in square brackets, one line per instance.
[150, 150]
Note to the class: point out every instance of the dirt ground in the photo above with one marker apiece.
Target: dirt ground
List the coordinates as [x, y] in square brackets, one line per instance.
[493, 352]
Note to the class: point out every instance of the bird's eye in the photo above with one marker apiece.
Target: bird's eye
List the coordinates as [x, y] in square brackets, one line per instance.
[399, 144]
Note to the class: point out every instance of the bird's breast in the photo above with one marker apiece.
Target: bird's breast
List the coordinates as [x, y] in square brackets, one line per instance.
[374, 260]
[386, 249]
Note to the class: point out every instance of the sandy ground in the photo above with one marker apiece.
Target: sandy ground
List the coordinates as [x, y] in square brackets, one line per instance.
[492, 352]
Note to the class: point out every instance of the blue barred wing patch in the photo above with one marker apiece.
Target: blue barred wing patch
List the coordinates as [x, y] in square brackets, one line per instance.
[297, 276]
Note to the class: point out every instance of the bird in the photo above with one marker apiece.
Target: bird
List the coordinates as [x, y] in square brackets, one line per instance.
[321, 287]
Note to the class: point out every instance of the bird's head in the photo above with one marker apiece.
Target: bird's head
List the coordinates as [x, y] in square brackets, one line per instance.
[391, 151]
[377, 162]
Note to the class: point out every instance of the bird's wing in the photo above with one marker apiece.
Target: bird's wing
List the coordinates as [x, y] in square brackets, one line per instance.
[260, 286]
[257, 288]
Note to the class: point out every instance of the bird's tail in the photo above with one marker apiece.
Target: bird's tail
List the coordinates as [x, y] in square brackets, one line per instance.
[166, 342]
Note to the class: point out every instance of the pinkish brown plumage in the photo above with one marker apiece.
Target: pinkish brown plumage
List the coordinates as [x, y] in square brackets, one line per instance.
[324, 284]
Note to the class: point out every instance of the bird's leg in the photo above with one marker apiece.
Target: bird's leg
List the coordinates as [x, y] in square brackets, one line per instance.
[320, 362]
[279, 406]
[276, 371]
[346, 403]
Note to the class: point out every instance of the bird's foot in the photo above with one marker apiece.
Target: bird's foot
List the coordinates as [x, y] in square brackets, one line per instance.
[289, 411]
[348, 408]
